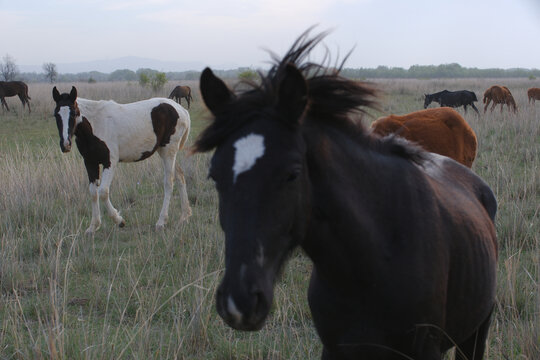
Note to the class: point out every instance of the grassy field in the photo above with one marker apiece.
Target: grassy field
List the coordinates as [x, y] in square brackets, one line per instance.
[133, 293]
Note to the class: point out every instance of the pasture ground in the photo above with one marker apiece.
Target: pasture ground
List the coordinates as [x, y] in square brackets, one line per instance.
[132, 293]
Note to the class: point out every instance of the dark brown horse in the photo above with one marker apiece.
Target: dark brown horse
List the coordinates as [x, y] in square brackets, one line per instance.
[533, 94]
[180, 92]
[12, 88]
[441, 130]
[402, 241]
[499, 95]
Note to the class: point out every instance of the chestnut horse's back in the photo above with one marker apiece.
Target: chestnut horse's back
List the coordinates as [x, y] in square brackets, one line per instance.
[439, 130]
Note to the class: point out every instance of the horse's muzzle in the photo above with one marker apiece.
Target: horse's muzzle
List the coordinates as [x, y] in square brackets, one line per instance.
[243, 310]
[65, 146]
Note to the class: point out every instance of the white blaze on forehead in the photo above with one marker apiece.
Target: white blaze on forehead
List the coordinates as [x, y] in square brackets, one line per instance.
[248, 150]
[64, 115]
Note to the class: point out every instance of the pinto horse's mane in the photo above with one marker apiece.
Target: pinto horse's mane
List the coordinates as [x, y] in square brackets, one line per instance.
[333, 100]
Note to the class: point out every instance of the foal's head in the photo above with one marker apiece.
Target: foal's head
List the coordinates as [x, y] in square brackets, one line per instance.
[259, 171]
[66, 112]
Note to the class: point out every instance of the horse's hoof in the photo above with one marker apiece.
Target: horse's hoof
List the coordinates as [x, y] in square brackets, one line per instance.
[122, 224]
[160, 227]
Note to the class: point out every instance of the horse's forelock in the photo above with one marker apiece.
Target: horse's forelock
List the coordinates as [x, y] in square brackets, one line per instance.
[333, 99]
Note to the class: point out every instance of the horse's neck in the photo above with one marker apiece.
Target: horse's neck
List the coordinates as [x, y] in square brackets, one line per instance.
[88, 109]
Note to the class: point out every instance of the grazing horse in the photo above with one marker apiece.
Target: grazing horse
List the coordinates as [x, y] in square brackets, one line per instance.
[12, 88]
[107, 132]
[452, 99]
[402, 241]
[441, 130]
[499, 95]
[180, 92]
[533, 94]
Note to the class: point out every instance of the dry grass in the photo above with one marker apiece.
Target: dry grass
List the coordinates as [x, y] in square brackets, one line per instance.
[135, 293]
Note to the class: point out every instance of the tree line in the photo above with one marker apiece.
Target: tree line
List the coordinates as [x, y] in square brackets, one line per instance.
[9, 71]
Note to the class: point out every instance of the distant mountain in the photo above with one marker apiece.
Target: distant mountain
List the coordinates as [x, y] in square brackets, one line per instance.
[127, 62]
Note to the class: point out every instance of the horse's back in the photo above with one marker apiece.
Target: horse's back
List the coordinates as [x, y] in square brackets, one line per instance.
[439, 130]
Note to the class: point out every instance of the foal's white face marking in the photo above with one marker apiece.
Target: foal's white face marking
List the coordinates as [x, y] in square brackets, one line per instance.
[248, 150]
[233, 310]
[64, 115]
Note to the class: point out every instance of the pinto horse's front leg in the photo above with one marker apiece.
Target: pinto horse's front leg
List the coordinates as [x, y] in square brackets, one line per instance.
[106, 179]
[96, 217]
[92, 168]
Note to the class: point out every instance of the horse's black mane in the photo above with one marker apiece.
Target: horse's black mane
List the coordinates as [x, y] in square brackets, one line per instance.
[332, 100]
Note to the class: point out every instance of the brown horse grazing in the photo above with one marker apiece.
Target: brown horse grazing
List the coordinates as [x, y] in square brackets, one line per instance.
[440, 130]
[180, 92]
[499, 95]
[533, 94]
[12, 88]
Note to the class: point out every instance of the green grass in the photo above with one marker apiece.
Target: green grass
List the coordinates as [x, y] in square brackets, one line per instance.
[134, 293]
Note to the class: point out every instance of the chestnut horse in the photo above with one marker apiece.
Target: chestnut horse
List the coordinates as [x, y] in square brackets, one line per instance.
[440, 130]
[12, 88]
[499, 95]
[402, 241]
[180, 92]
[533, 94]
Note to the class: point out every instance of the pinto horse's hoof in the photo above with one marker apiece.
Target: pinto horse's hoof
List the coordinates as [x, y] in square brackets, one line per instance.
[122, 224]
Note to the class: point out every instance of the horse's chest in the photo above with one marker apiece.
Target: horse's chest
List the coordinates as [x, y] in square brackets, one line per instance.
[92, 148]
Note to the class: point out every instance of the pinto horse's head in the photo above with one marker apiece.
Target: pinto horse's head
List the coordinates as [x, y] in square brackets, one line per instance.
[65, 112]
[260, 174]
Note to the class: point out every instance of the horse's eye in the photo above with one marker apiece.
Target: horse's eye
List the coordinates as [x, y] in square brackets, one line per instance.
[293, 175]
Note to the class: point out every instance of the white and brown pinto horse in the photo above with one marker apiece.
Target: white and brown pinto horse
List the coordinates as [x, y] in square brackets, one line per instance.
[107, 132]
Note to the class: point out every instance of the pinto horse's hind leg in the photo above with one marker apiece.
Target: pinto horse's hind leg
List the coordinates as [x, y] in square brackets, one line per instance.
[171, 172]
[473, 348]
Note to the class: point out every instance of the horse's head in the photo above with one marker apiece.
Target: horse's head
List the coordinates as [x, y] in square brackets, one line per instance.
[65, 112]
[428, 99]
[260, 174]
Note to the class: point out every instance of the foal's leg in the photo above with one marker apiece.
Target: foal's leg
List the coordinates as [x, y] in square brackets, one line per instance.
[171, 171]
[168, 158]
[93, 176]
[106, 179]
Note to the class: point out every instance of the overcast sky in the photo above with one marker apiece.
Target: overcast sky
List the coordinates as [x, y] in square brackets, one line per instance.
[473, 33]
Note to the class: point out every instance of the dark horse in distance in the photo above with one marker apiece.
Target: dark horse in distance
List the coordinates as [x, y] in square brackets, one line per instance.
[402, 241]
[12, 88]
[180, 92]
[452, 99]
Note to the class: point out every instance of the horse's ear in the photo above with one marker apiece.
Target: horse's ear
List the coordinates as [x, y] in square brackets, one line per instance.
[73, 94]
[55, 94]
[292, 98]
[214, 91]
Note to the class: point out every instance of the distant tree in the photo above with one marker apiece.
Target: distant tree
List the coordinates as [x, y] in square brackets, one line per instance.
[144, 79]
[50, 71]
[158, 81]
[8, 68]
[247, 75]
[123, 75]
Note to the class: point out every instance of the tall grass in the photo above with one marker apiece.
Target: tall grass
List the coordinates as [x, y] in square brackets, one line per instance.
[136, 293]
